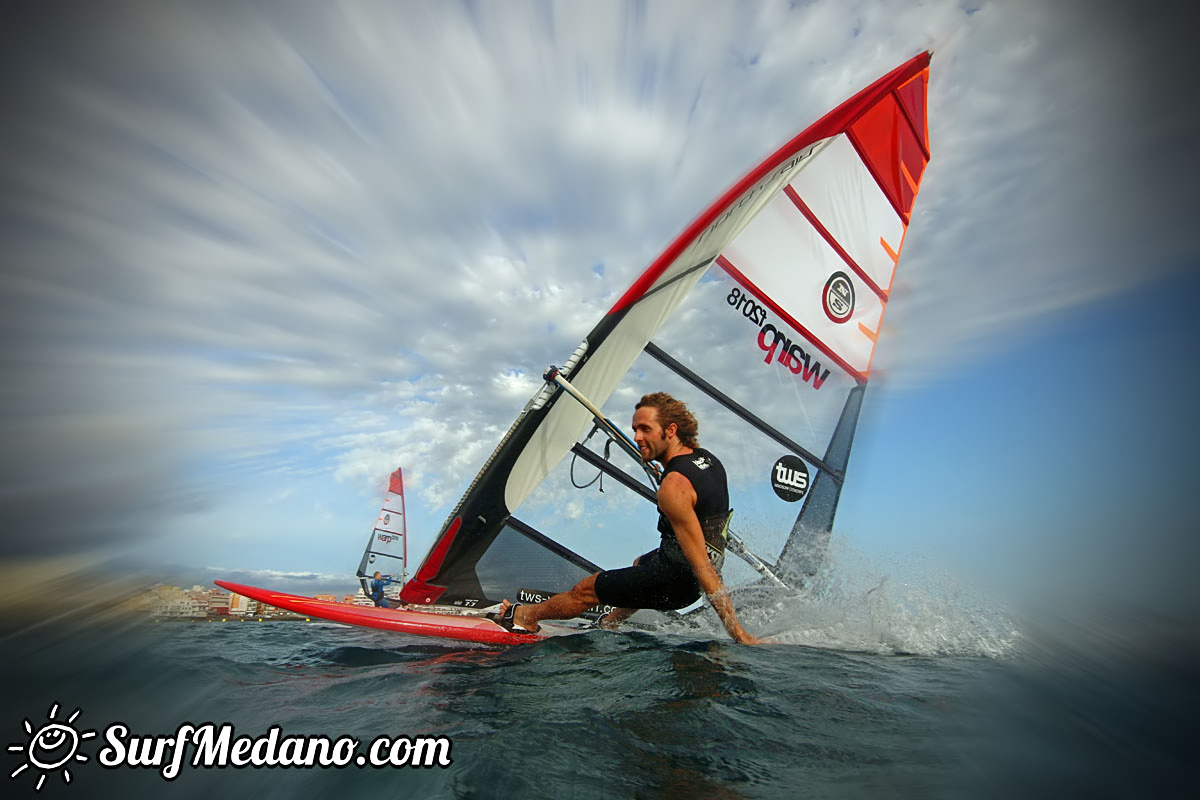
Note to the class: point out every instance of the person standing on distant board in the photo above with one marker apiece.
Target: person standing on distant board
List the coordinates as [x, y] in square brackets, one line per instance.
[693, 505]
[378, 581]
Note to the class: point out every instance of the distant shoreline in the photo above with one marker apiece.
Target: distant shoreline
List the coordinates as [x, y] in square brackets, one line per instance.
[254, 618]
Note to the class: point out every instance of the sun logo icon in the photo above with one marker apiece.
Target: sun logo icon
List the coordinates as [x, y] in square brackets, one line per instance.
[50, 747]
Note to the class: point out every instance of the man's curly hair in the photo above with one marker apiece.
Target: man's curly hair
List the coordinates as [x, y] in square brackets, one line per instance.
[671, 410]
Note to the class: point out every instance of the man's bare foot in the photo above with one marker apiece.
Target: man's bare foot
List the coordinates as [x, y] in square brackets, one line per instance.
[613, 619]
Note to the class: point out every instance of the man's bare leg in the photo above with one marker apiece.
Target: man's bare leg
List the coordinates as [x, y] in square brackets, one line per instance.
[564, 605]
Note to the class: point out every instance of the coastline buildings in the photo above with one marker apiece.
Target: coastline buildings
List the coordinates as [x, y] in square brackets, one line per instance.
[196, 603]
[200, 603]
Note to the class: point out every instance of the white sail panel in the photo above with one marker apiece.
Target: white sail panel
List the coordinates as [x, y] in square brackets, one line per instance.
[795, 270]
[388, 544]
[846, 199]
[566, 422]
[391, 517]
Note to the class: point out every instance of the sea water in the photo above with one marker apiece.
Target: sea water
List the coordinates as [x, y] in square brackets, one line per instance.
[885, 692]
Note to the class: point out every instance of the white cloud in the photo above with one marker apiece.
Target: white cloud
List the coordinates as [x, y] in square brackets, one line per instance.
[352, 237]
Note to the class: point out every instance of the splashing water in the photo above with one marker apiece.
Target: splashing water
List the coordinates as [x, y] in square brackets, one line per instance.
[854, 605]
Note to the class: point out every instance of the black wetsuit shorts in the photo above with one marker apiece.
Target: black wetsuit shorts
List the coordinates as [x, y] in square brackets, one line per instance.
[654, 582]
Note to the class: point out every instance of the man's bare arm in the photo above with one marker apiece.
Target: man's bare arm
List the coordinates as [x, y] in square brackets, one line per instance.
[677, 500]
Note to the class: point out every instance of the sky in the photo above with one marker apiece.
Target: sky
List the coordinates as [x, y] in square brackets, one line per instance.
[254, 258]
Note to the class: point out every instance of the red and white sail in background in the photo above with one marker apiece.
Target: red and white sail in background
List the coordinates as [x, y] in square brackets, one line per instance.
[387, 550]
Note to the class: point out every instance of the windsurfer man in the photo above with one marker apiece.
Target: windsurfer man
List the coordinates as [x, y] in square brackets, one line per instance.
[693, 503]
[378, 581]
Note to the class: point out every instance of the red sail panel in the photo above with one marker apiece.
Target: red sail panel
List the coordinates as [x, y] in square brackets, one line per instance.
[912, 96]
[892, 151]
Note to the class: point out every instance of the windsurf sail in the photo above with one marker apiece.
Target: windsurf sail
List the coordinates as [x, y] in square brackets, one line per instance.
[387, 549]
[763, 315]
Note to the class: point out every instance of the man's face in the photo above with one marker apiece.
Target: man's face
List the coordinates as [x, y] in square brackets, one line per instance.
[648, 435]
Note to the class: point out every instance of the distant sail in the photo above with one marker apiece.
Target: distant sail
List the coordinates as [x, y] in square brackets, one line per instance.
[772, 349]
[387, 549]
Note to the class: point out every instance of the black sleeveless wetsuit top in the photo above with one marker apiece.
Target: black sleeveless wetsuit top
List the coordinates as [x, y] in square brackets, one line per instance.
[663, 578]
[707, 475]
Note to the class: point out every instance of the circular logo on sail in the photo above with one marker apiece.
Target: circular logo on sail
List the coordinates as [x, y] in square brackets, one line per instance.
[789, 478]
[838, 298]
